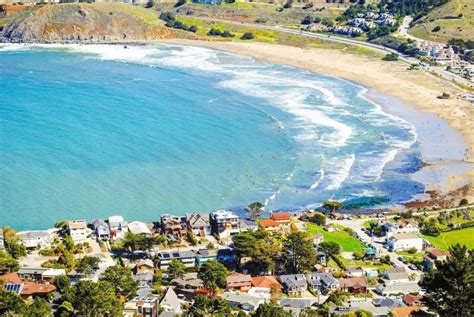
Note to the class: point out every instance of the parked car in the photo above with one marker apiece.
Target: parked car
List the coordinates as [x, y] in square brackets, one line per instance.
[413, 267]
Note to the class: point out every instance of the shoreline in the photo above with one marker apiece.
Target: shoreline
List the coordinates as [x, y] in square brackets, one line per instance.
[415, 90]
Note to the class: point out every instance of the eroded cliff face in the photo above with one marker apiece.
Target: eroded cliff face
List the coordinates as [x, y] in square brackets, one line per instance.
[101, 22]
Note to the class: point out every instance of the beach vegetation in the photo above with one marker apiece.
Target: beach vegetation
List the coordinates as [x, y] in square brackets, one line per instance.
[318, 218]
[436, 29]
[247, 36]
[297, 254]
[213, 274]
[332, 205]
[390, 57]
[255, 209]
[450, 288]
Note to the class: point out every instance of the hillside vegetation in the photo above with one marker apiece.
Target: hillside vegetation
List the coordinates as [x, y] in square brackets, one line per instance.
[454, 19]
[85, 22]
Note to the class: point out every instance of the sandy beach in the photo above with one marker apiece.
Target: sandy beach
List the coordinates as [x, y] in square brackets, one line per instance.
[414, 88]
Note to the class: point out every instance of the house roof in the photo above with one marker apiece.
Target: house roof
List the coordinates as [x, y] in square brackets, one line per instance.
[398, 269]
[223, 214]
[300, 303]
[405, 236]
[242, 298]
[27, 235]
[399, 288]
[318, 278]
[145, 262]
[176, 255]
[388, 302]
[412, 299]
[293, 280]
[10, 278]
[34, 288]
[32, 270]
[138, 227]
[353, 282]
[268, 223]
[281, 216]
[266, 282]
[207, 253]
[403, 311]
[77, 224]
[196, 220]
[237, 279]
[438, 252]
[170, 301]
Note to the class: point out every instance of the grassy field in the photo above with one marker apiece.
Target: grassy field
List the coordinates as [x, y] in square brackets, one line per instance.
[448, 18]
[348, 243]
[446, 239]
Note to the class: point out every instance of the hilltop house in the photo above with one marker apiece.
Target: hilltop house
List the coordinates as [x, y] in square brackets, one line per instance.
[198, 225]
[239, 282]
[101, 229]
[77, 230]
[322, 282]
[405, 242]
[174, 227]
[293, 284]
[224, 223]
[35, 239]
[118, 227]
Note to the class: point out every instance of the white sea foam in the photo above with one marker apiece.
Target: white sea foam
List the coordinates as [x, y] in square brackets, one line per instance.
[341, 172]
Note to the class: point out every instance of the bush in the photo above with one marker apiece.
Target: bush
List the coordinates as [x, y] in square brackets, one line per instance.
[463, 202]
[391, 57]
[436, 29]
[412, 250]
[247, 36]
[214, 32]
[227, 34]
[167, 16]
[193, 29]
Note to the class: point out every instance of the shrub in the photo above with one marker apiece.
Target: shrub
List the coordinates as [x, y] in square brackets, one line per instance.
[391, 57]
[214, 32]
[193, 28]
[227, 34]
[463, 202]
[436, 29]
[412, 250]
[247, 36]
[167, 16]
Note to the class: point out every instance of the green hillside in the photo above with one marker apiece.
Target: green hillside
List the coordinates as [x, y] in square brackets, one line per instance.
[455, 19]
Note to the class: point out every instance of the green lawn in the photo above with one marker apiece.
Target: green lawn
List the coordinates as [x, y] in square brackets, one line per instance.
[446, 239]
[348, 243]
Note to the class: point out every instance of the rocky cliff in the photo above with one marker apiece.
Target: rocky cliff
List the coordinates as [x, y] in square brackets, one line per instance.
[101, 22]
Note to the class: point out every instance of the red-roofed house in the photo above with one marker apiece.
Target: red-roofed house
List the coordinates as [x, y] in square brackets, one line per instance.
[412, 300]
[439, 255]
[266, 282]
[239, 282]
[282, 217]
[353, 285]
[34, 289]
[10, 278]
[269, 224]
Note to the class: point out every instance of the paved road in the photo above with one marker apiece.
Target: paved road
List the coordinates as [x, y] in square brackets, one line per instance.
[439, 71]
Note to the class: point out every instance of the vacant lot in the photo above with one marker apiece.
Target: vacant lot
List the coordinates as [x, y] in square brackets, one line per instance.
[446, 239]
[348, 243]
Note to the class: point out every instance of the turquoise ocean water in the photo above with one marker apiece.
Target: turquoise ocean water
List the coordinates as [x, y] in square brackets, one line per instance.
[92, 131]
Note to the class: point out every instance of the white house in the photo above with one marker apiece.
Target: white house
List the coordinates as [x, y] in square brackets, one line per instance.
[224, 223]
[405, 242]
[118, 227]
[35, 239]
[78, 230]
[2, 241]
[391, 228]
[396, 275]
[138, 227]
[101, 229]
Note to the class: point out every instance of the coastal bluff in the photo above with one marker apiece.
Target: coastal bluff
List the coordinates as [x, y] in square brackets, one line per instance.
[84, 23]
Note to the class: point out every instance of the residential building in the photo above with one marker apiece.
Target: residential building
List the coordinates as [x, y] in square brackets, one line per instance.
[118, 227]
[322, 282]
[242, 300]
[239, 282]
[35, 239]
[260, 292]
[198, 225]
[438, 255]
[205, 255]
[293, 284]
[189, 281]
[355, 271]
[224, 223]
[405, 242]
[269, 224]
[101, 229]
[391, 289]
[2, 240]
[413, 300]
[31, 273]
[174, 227]
[226, 255]
[30, 290]
[269, 282]
[170, 302]
[188, 258]
[387, 302]
[353, 285]
[296, 305]
[143, 306]
[50, 274]
[144, 266]
[281, 217]
[247, 224]
[317, 239]
[396, 275]
[10, 278]
[391, 228]
[138, 227]
[77, 230]
[145, 283]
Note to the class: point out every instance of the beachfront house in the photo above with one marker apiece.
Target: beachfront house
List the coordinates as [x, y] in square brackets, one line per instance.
[138, 227]
[198, 225]
[294, 284]
[405, 242]
[2, 240]
[118, 227]
[101, 229]
[36, 239]
[78, 230]
[224, 223]
[174, 227]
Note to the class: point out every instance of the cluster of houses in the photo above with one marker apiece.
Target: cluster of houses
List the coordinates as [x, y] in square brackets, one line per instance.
[437, 53]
